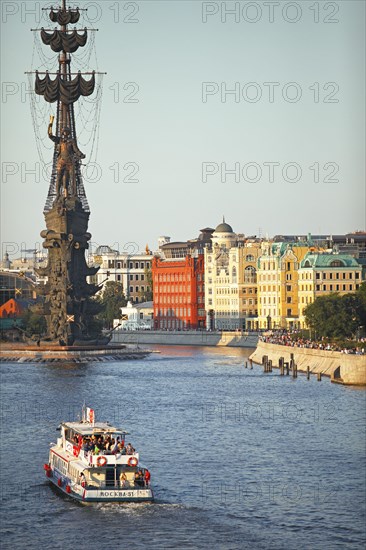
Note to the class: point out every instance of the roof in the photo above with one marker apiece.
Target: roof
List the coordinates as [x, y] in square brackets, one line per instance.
[145, 305]
[326, 260]
[85, 428]
[174, 245]
[224, 228]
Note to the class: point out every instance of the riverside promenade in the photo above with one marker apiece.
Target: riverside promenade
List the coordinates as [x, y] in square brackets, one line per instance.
[187, 338]
[343, 368]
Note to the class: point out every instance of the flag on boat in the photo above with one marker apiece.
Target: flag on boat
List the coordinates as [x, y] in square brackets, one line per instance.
[90, 415]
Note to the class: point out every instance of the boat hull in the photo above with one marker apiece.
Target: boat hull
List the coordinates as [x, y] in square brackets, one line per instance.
[97, 495]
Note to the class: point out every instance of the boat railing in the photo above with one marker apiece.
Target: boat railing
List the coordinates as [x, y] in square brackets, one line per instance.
[117, 487]
[100, 460]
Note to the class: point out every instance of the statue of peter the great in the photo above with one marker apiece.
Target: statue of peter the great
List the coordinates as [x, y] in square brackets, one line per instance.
[68, 154]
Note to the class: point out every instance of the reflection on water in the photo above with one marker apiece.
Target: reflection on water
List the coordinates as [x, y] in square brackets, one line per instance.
[239, 458]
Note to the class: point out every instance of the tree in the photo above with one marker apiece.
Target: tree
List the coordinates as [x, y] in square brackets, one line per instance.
[112, 299]
[336, 316]
[147, 294]
[34, 324]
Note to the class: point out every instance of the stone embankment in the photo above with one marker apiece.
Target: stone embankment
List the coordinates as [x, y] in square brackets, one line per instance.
[343, 368]
[187, 338]
[52, 354]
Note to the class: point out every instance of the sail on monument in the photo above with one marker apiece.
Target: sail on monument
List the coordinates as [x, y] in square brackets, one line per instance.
[67, 304]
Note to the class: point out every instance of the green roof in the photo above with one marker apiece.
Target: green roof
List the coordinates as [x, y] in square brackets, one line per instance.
[329, 260]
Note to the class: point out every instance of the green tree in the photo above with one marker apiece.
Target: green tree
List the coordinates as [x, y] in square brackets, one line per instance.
[335, 316]
[147, 294]
[112, 299]
[34, 324]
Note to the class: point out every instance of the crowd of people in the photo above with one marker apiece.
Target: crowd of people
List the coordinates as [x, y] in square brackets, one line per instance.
[294, 339]
[106, 445]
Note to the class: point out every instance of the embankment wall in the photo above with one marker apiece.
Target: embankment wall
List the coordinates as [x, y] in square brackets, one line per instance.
[187, 338]
[341, 367]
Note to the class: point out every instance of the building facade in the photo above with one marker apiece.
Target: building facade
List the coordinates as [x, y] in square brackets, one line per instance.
[321, 274]
[131, 270]
[278, 266]
[179, 293]
[230, 280]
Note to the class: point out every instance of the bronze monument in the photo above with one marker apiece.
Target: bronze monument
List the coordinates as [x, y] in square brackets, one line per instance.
[67, 304]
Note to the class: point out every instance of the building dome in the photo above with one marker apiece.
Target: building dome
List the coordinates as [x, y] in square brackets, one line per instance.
[224, 228]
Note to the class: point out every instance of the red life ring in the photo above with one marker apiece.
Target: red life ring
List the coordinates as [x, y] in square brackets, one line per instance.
[132, 461]
[68, 489]
[101, 461]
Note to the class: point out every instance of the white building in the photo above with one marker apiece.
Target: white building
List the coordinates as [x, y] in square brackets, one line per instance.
[230, 280]
[129, 269]
[134, 317]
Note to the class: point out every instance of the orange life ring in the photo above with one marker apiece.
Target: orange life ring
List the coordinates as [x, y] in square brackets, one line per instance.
[132, 461]
[101, 461]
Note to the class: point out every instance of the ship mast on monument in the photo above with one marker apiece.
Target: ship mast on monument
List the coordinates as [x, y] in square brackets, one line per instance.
[67, 304]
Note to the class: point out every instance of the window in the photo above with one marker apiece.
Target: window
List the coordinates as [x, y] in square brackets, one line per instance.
[289, 300]
[337, 263]
[250, 274]
[249, 258]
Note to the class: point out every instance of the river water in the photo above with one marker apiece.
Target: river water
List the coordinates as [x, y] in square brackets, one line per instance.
[239, 459]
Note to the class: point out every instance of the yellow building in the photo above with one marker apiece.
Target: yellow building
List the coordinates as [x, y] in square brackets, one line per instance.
[321, 274]
[278, 267]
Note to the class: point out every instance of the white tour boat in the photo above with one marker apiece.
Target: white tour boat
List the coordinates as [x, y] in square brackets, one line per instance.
[92, 463]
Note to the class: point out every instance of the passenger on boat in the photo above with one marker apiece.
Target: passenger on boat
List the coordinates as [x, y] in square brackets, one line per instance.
[115, 446]
[107, 443]
[129, 449]
[147, 477]
[82, 480]
[139, 479]
[87, 445]
[121, 449]
[122, 479]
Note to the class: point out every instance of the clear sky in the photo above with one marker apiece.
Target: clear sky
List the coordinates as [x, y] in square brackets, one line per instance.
[296, 112]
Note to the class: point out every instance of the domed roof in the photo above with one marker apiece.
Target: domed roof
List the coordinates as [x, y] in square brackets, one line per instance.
[224, 227]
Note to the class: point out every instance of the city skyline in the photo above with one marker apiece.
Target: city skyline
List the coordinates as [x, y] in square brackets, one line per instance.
[222, 123]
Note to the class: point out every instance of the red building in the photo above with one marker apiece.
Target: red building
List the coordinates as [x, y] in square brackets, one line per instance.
[14, 308]
[179, 294]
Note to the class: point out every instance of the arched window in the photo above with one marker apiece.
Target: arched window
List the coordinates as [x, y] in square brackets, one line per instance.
[249, 258]
[250, 274]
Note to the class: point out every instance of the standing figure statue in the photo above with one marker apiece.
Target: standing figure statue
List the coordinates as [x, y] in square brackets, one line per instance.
[68, 154]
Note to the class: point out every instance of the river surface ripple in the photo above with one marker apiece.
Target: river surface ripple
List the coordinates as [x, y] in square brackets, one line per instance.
[239, 459]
